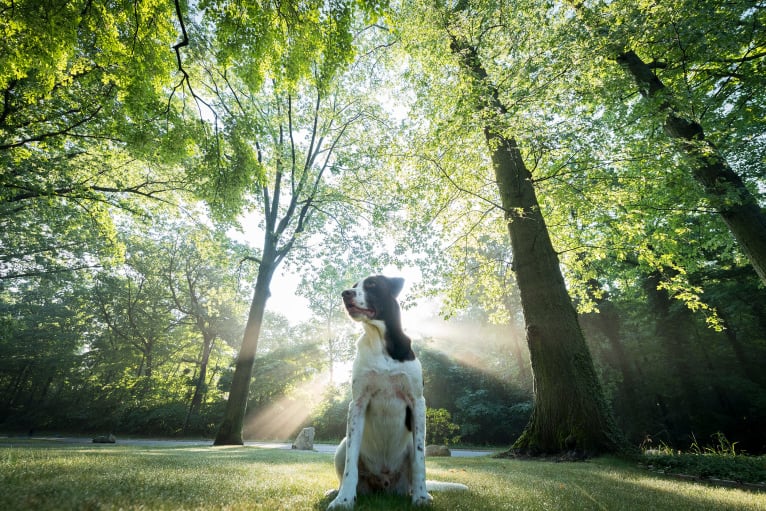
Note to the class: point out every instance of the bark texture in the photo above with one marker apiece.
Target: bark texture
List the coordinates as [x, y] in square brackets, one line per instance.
[570, 413]
[201, 384]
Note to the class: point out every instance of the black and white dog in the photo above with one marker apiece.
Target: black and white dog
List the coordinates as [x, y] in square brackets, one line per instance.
[384, 448]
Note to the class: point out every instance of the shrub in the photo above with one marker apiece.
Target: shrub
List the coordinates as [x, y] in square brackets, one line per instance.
[329, 419]
[439, 427]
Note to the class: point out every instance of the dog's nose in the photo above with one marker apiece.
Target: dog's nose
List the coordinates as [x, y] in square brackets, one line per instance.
[348, 293]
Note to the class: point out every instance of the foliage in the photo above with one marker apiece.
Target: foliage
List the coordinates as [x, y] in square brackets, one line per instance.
[331, 416]
[439, 427]
[119, 350]
[484, 405]
[85, 126]
[664, 383]
[611, 191]
[287, 42]
[116, 289]
[278, 372]
[742, 469]
[678, 232]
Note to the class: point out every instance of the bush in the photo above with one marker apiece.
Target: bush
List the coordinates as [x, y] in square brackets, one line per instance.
[746, 469]
[166, 420]
[330, 417]
[487, 418]
[439, 427]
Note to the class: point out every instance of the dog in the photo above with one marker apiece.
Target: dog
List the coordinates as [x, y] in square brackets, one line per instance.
[384, 448]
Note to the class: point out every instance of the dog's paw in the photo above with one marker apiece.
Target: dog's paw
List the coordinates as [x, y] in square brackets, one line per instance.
[342, 502]
[422, 500]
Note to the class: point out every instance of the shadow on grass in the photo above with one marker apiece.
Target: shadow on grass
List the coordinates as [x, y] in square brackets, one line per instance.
[442, 501]
[653, 491]
[601, 484]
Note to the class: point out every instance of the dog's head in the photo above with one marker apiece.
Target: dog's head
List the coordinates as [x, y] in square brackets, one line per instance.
[373, 298]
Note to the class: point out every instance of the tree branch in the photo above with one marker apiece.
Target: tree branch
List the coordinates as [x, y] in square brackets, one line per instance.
[43, 136]
[185, 78]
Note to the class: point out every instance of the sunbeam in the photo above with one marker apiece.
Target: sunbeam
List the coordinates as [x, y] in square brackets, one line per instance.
[282, 419]
[481, 346]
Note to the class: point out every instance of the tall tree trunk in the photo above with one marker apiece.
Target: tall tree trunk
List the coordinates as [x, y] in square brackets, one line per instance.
[330, 348]
[629, 406]
[230, 431]
[149, 365]
[751, 366]
[569, 409]
[608, 322]
[672, 329]
[199, 387]
[13, 395]
[738, 208]
[688, 359]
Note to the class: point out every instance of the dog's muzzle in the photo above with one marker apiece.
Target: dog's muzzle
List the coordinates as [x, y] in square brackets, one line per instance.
[352, 308]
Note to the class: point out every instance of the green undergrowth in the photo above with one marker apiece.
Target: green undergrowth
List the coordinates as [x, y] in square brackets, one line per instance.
[113, 476]
[743, 469]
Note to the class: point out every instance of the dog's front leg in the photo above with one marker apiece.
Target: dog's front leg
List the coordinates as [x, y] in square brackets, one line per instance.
[354, 429]
[420, 496]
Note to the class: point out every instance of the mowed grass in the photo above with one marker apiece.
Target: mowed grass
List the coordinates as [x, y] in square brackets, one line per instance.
[100, 477]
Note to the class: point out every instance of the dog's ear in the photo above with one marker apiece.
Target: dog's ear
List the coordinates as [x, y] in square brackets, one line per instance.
[396, 284]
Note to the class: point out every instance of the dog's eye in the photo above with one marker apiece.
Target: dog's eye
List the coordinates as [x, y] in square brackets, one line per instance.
[369, 284]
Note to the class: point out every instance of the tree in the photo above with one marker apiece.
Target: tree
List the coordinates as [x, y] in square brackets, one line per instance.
[569, 407]
[43, 321]
[204, 270]
[483, 287]
[732, 63]
[289, 203]
[136, 304]
[85, 124]
[321, 289]
[341, 260]
[285, 139]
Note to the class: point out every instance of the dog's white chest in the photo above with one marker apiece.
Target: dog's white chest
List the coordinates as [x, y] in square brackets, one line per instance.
[383, 379]
[389, 396]
[389, 388]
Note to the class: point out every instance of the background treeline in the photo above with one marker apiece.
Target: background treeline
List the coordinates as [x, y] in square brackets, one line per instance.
[146, 347]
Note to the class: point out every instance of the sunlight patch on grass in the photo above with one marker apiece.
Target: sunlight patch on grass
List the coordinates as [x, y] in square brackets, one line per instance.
[709, 497]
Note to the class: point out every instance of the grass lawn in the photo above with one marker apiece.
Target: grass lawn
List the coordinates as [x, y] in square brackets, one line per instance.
[42, 476]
